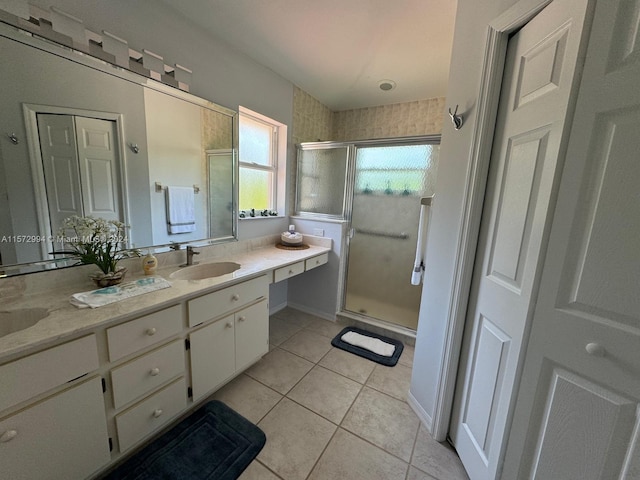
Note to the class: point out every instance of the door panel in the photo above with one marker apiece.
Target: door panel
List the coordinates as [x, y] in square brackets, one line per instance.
[575, 443]
[539, 71]
[491, 354]
[516, 209]
[578, 405]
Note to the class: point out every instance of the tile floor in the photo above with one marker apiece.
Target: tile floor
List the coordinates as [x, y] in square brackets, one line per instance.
[329, 414]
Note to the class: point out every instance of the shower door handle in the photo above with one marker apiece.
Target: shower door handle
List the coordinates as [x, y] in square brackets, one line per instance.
[350, 234]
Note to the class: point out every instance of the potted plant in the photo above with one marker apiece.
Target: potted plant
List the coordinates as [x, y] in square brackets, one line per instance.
[99, 242]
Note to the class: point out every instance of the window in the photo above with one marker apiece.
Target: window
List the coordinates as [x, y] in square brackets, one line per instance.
[262, 165]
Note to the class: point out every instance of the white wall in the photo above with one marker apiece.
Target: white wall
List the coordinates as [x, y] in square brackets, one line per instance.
[175, 159]
[472, 19]
[318, 290]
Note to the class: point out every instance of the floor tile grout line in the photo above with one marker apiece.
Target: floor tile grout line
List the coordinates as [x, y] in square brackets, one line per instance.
[413, 449]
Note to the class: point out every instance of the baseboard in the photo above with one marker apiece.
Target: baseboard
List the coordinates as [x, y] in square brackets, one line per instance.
[313, 311]
[424, 417]
[276, 308]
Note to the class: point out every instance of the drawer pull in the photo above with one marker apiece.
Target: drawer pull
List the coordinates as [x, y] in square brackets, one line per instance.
[290, 272]
[154, 371]
[317, 262]
[151, 331]
[242, 319]
[157, 412]
[8, 436]
[228, 325]
[235, 297]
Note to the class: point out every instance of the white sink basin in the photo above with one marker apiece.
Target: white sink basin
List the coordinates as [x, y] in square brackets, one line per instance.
[205, 270]
[15, 320]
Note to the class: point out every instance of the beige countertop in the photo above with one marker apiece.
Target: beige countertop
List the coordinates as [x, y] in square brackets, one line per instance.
[67, 321]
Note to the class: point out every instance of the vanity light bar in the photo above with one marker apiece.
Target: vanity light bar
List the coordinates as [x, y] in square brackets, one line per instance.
[65, 29]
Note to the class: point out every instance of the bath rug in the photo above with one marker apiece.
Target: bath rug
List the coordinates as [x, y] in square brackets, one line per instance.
[213, 443]
[365, 353]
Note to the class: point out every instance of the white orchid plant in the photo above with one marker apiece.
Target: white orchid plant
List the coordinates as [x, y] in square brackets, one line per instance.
[95, 241]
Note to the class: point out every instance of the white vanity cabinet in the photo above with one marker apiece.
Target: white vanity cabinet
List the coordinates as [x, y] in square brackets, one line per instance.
[154, 380]
[58, 435]
[230, 343]
[297, 268]
[63, 436]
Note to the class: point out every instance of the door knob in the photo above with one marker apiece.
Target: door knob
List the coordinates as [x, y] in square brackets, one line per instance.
[595, 349]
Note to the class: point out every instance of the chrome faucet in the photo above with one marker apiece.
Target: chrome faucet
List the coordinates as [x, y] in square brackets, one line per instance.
[190, 253]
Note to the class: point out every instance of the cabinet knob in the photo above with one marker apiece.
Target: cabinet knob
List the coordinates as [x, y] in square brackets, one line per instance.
[242, 319]
[595, 349]
[235, 297]
[290, 272]
[151, 331]
[157, 412]
[8, 436]
[154, 371]
[228, 325]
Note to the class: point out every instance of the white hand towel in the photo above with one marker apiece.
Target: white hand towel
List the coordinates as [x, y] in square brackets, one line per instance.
[374, 345]
[180, 210]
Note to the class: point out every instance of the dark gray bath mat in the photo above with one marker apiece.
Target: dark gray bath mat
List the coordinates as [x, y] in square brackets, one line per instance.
[363, 352]
[213, 443]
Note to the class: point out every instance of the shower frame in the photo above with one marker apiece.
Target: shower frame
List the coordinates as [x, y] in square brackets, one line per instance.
[347, 213]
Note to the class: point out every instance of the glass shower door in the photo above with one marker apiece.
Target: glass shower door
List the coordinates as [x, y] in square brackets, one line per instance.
[389, 183]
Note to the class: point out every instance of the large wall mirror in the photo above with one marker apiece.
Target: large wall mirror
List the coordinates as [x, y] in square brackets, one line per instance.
[82, 137]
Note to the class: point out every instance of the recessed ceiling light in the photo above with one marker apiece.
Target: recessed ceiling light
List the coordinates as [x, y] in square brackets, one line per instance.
[386, 85]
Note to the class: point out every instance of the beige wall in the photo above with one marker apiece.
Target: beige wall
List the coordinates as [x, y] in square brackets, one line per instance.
[313, 122]
[422, 117]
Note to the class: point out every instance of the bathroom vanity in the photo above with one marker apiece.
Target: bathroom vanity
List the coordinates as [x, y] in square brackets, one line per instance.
[83, 387]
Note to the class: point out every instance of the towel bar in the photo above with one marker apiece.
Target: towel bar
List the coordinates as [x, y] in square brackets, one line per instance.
[160, 188]
[401, 236]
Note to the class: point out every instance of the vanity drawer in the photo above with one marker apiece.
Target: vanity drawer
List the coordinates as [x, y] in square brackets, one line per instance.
[150, 414]
[231, 298]
[30, 376]
[143, 332]
[139, 376]
[288, 271]
[316, 261]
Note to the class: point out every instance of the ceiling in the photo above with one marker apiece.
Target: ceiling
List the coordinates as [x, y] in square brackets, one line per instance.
[339, 50]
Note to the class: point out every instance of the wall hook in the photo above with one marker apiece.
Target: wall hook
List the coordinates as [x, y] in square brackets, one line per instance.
[455, 118]
[13, 138]
[135, 148]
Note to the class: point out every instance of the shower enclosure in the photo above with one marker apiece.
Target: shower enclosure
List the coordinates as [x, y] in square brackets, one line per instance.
[376, 188]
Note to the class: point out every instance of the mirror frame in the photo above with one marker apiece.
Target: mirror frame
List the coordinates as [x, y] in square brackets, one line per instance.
[33, 40]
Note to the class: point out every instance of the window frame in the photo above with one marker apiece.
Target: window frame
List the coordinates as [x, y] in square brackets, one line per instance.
[277, 159]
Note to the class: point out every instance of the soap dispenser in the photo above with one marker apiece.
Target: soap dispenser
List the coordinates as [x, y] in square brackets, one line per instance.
[149, 263]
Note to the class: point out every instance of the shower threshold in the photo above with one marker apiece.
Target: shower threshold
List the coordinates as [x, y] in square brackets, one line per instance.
[375, 325]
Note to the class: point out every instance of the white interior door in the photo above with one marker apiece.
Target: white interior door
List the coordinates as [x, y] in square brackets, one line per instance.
[577, 413]
[536, 92]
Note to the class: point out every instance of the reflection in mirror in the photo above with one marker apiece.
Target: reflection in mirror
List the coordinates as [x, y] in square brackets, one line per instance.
[96, 140]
